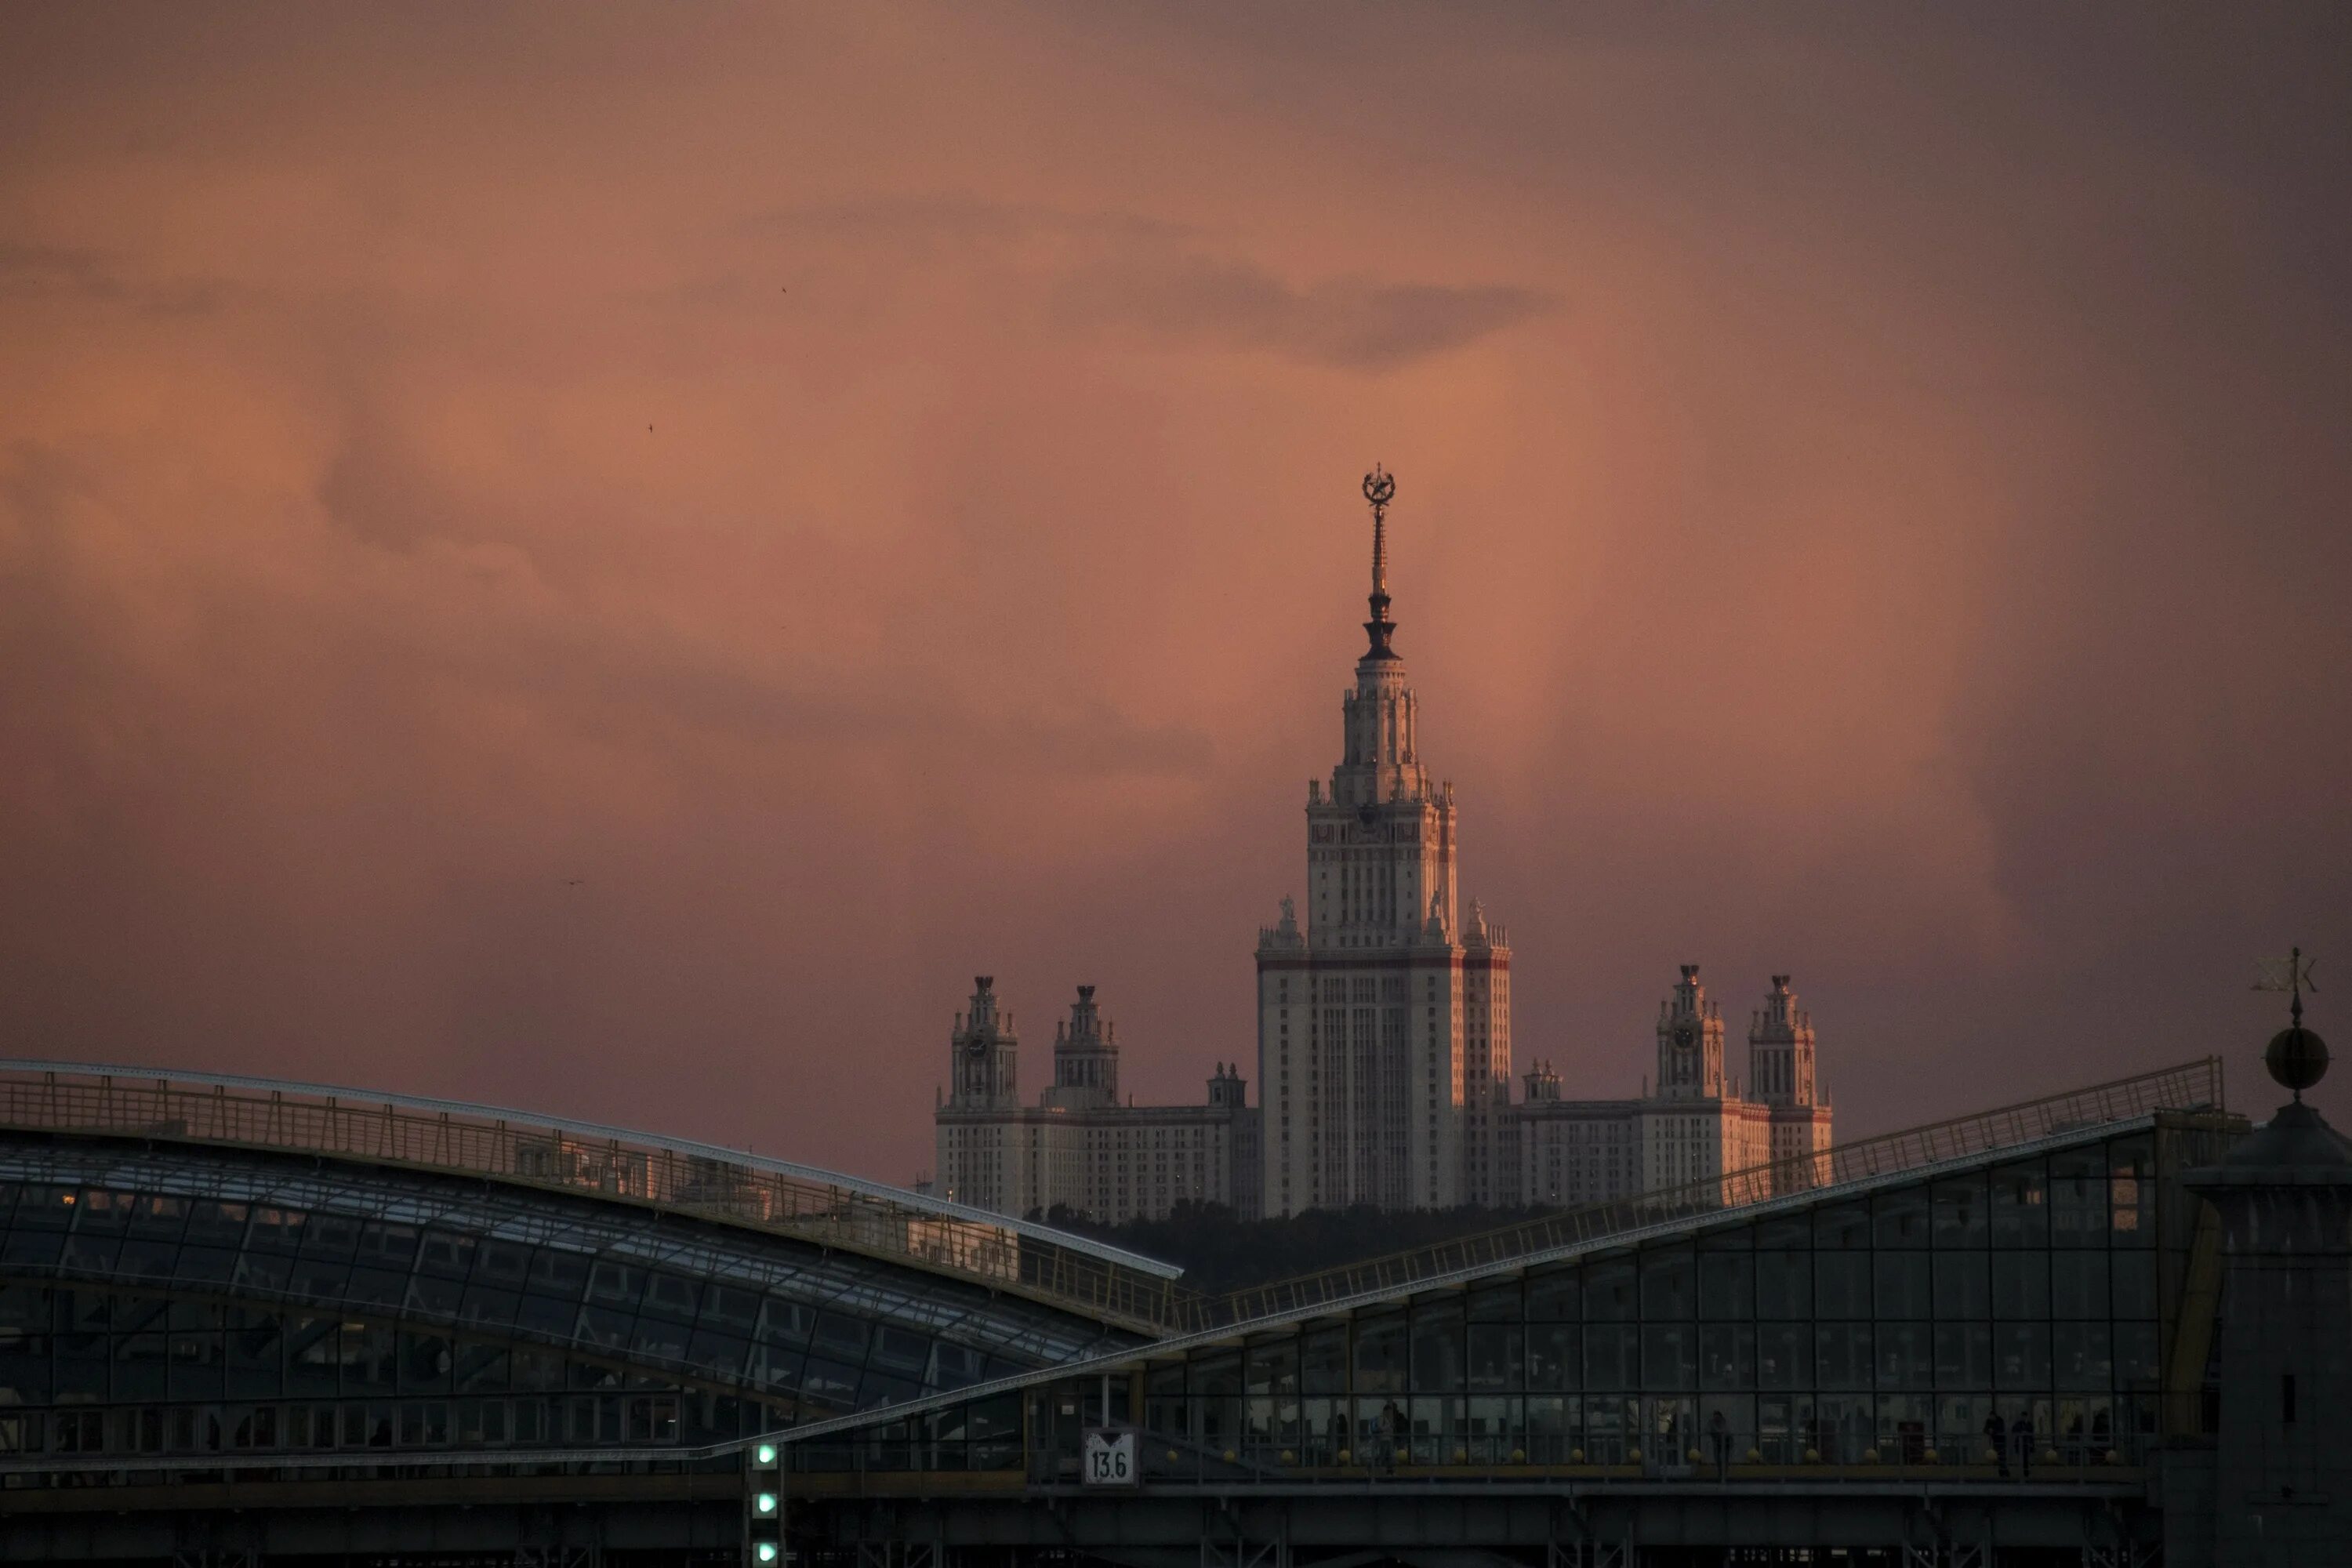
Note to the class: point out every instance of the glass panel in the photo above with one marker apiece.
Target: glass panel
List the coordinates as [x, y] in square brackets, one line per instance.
[312, 1357]
[1271, 1369]
[446, 1254]
[1669, 1355]
[1784, 1284]
[158, 1216]
[1555, 1298]
[1843, 1227]
[1842, 1284]
[2136, 1356]
[217, 1224]
[489, 1308]
[1611, 1356]
[1899, 1218]
[2084, 1355]
[2021, 1209]
[615, 1284]
[558, 1274]
[255, 1344]
[1727, 1356]
[387, 1245]
[1495, 1303]
[1497, 1355]
[785, 1322]
[1959, 1211]
[1323, 1361]
[425, 1364]
[899, 1350]
[2133, 1274]
[1842, 1354]
[1903, 1283]
[1609, 1292]
[2022, 1355]
[1437, 1350]
[1905, 1356]
[139, 1362]
[1963, 1286]
[2131, 1191]
[730, 1306]
[1784, 1355]
[201, 1265]
[1381, 1354]
[506, 1264]
[841, 1336]
[829, 1383]
[2078, 1198]
[661, 1339]
[1964, 1355]
[1726, 1286]
[674, 1297]
[1666, 1290]
[2021, 1284]
[376, 1288]
[2078, 1284]
[274, 1229]
[1555, 1356]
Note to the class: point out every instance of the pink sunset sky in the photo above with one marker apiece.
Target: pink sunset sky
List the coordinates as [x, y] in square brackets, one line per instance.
[609, 558]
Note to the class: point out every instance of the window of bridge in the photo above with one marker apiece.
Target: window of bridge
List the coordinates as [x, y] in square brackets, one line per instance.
[1900, 1321]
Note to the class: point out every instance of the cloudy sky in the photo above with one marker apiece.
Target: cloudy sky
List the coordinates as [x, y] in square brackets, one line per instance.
[610, 558]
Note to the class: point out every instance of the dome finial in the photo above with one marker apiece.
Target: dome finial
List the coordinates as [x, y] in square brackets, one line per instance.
[2297, 1057]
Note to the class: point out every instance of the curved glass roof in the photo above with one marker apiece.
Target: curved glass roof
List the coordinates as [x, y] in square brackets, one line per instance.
[591, 1160]
[779, 1317]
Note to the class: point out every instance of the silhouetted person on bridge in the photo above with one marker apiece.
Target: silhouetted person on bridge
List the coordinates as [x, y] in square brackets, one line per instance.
[1996, 1432]
[1719, 1431]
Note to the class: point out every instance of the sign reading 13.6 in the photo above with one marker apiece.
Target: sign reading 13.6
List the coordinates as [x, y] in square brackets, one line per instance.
[1108, 1460]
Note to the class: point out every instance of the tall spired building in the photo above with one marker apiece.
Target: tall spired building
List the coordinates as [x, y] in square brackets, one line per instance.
[1384, 1033]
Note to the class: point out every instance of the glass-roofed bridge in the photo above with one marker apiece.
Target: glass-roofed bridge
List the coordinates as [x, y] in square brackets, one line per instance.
[309, 1323]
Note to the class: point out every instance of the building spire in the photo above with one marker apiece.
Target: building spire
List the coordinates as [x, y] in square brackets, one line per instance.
[1380, 489]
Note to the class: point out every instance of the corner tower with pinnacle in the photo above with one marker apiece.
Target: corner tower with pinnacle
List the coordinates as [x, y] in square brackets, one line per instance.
[1383, 1017]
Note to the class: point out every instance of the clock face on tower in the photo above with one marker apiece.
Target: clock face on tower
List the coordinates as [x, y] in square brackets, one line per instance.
[977, 1046]
[1685, 1035]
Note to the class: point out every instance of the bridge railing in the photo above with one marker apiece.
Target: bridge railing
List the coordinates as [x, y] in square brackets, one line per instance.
[559, 1155]
[2188, 1086]
[1818, 1453]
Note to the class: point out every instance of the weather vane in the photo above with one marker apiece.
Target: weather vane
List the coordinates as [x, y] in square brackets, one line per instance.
[2291, 975]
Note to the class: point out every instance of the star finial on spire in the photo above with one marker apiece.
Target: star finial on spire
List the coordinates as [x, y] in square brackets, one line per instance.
[1380, 489]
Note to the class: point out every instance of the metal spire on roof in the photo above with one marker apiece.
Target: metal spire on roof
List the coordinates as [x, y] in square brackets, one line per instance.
[1380, 489]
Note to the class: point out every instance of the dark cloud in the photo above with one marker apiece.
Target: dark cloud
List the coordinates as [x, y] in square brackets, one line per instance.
[1346, 323]
[33, 272]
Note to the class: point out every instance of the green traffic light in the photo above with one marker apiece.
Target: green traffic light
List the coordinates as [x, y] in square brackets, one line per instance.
[765, 1454]
[765, 1552]
[764, 1503]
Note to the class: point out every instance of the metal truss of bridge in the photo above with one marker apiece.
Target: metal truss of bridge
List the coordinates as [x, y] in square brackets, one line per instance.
[1673, 1379]
[296, 1324]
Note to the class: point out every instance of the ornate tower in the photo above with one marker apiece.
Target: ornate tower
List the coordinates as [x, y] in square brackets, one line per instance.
[1690, 1042]
[1086, 1058]
[983, 1054]
[1383, 1024]
[1781, 1050]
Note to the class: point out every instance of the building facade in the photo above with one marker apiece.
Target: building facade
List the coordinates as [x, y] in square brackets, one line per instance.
[1383, 1040]
[1697, 1123]
[1079, 1148]
[1384, 1020]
